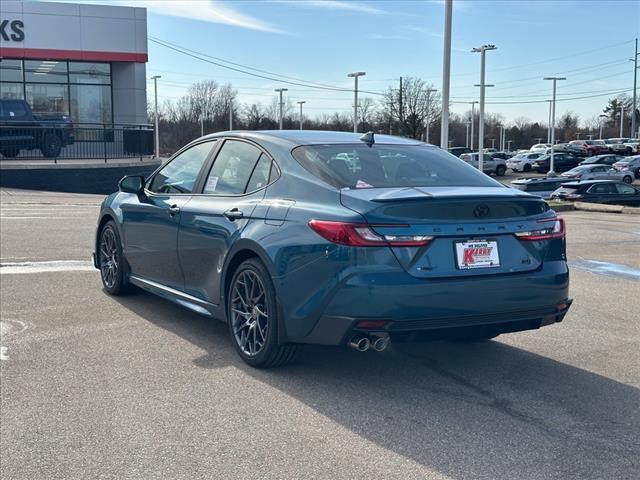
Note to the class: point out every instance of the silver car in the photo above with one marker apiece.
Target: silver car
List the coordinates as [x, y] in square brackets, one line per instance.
[629, 164]
[597, 172]
[490, 164]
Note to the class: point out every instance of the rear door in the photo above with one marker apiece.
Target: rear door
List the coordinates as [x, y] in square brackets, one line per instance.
[628, 195]
[214, 219]
[150, 225]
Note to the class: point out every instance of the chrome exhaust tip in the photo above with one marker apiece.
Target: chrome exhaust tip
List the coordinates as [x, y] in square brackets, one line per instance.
[361, 344]
[380, 344]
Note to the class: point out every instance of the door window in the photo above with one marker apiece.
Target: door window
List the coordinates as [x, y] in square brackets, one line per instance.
[260, 176]
[180, 175]
[603, 188]
[232, 168]
[625, 189]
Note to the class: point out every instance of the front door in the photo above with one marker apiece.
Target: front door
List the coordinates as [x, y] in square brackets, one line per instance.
[213, 221]
[150, 224]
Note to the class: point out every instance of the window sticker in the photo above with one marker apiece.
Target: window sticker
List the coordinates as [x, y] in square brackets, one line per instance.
[363, 184]
[212, 183]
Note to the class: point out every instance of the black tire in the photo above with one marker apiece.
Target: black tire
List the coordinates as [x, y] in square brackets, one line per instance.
[637, 172]
[628, 179]
[111, 261]
[252, 312]
[527, 167]
[500, 169]
[51, 145]
[10, 152]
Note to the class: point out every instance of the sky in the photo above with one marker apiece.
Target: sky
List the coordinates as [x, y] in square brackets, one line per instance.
[589, 42]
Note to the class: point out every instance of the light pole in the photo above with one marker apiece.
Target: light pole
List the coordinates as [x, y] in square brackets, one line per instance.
[230, 114]
[202, 125]
[301, 102]
[466, 143]
[280, 90]
[428, 117]
[549, 124]
[621, 119]
[155, 114]
[446, 74]
[482, 49]
[600, 118]
[509, 145]
[553, 121]
[473, 120]
[355, 76]
[635, 82]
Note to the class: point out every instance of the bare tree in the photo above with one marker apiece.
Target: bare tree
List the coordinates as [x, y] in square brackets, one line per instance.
[410, 108]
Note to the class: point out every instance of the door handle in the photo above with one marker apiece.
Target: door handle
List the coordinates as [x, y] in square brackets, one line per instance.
[174, 210]
[233, 214]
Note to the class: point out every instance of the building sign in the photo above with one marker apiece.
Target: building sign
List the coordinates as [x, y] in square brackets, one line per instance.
[12, 30]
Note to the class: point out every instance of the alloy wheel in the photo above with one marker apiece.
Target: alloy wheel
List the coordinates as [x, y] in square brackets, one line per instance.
[249, 312]
[109, 257]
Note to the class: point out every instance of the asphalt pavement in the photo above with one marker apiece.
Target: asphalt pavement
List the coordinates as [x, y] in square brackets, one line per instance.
[138, 388]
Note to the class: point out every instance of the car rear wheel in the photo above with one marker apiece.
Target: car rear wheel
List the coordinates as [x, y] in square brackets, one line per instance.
[500, 169]
[637, 172]
[627, 179]
[51, 145]
[527, 167]
[253, 317]
[111, 261]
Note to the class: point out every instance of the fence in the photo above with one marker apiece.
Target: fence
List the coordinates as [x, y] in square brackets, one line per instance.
[21, 141]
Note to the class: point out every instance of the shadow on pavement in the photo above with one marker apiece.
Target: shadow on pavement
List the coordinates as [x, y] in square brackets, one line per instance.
[466, 410]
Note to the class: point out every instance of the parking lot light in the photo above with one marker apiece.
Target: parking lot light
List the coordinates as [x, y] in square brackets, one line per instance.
[155, 115]
[473, 121]
[280, 90]
[482, 50]
[355, 76]
[301, 102]
[553, 121]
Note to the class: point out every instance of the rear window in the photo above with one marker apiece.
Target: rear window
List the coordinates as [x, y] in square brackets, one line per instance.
[361, 166]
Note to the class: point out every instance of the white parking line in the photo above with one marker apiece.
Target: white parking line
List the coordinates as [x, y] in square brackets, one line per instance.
[17, 268]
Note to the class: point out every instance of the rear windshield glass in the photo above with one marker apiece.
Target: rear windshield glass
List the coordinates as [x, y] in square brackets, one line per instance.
[360, 166]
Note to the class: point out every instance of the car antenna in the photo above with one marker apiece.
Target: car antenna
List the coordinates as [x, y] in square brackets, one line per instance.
[368, 138]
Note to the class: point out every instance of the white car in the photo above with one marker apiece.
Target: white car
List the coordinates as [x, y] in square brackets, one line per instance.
[522, 162]
[540, 148]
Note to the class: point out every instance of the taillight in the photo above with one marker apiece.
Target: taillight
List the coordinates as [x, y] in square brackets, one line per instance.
[361, 235]
[557, 231]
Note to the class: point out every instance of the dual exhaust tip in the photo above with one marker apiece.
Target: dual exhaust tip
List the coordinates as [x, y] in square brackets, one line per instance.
[362, 343]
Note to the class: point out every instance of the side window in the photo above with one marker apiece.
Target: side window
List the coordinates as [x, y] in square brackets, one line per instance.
[13, 110]
[625, 189]
[603, 188]
[180, 175]
[232, 168]
[260, 176]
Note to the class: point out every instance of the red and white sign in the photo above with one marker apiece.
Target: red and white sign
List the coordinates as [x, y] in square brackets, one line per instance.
[477, 254]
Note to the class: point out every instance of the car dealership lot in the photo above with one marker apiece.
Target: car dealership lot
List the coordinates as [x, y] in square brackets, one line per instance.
[135, 387]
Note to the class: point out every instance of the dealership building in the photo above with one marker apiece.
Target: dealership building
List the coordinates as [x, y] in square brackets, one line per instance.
[84, 61]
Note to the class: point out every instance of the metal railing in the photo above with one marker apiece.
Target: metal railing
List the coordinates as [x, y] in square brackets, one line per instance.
[64, 141]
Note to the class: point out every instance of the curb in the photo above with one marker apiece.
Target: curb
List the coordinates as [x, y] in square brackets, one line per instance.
[563, 208]
[599, 207]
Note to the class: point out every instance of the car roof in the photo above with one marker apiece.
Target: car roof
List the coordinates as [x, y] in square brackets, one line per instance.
[538, 180]
[313, 137]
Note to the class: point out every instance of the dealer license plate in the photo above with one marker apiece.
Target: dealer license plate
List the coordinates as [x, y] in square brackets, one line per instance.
[477, 254]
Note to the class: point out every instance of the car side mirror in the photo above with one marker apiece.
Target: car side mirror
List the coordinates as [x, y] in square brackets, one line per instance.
[132, 184]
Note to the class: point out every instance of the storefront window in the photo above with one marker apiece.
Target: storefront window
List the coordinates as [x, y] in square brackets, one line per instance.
[11, 91]
[46, 71]
[90, 103]
[87, 72]
[10, 70]
[48, 99]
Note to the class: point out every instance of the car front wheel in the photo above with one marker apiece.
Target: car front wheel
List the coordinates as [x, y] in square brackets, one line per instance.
[253, 317]
[500, 169]
[111, 261]
[627, 179]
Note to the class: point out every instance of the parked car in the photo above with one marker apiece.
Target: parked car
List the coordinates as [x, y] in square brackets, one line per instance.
[599, 191]
[617, 145]
[561, 162]
[522, 162]
[503, 155]
[588, 147]
[631, 164]
[540, 148]
[632, 147]
[607, 159]
[20, 130]
[490, 164]
[598, 172]
[274, 234]
[540, 187]
[457, 151]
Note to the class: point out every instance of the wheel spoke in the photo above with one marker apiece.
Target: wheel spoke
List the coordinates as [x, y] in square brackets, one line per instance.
[249, 312]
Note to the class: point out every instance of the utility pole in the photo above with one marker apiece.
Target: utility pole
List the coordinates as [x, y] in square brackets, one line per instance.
[446, 74]
[621, 119]
[155, 114]
[428, 118]
[635, 83]
[553, 121]
[355, 76]
[482, 49]
[549, 124]
[473, 120]
[401, 128]
[280, 90]
[301, 102]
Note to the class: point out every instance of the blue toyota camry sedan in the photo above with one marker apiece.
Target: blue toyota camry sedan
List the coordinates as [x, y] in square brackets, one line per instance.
[298, 237]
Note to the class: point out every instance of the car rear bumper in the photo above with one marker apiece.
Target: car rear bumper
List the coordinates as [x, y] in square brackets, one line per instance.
[409, 305]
